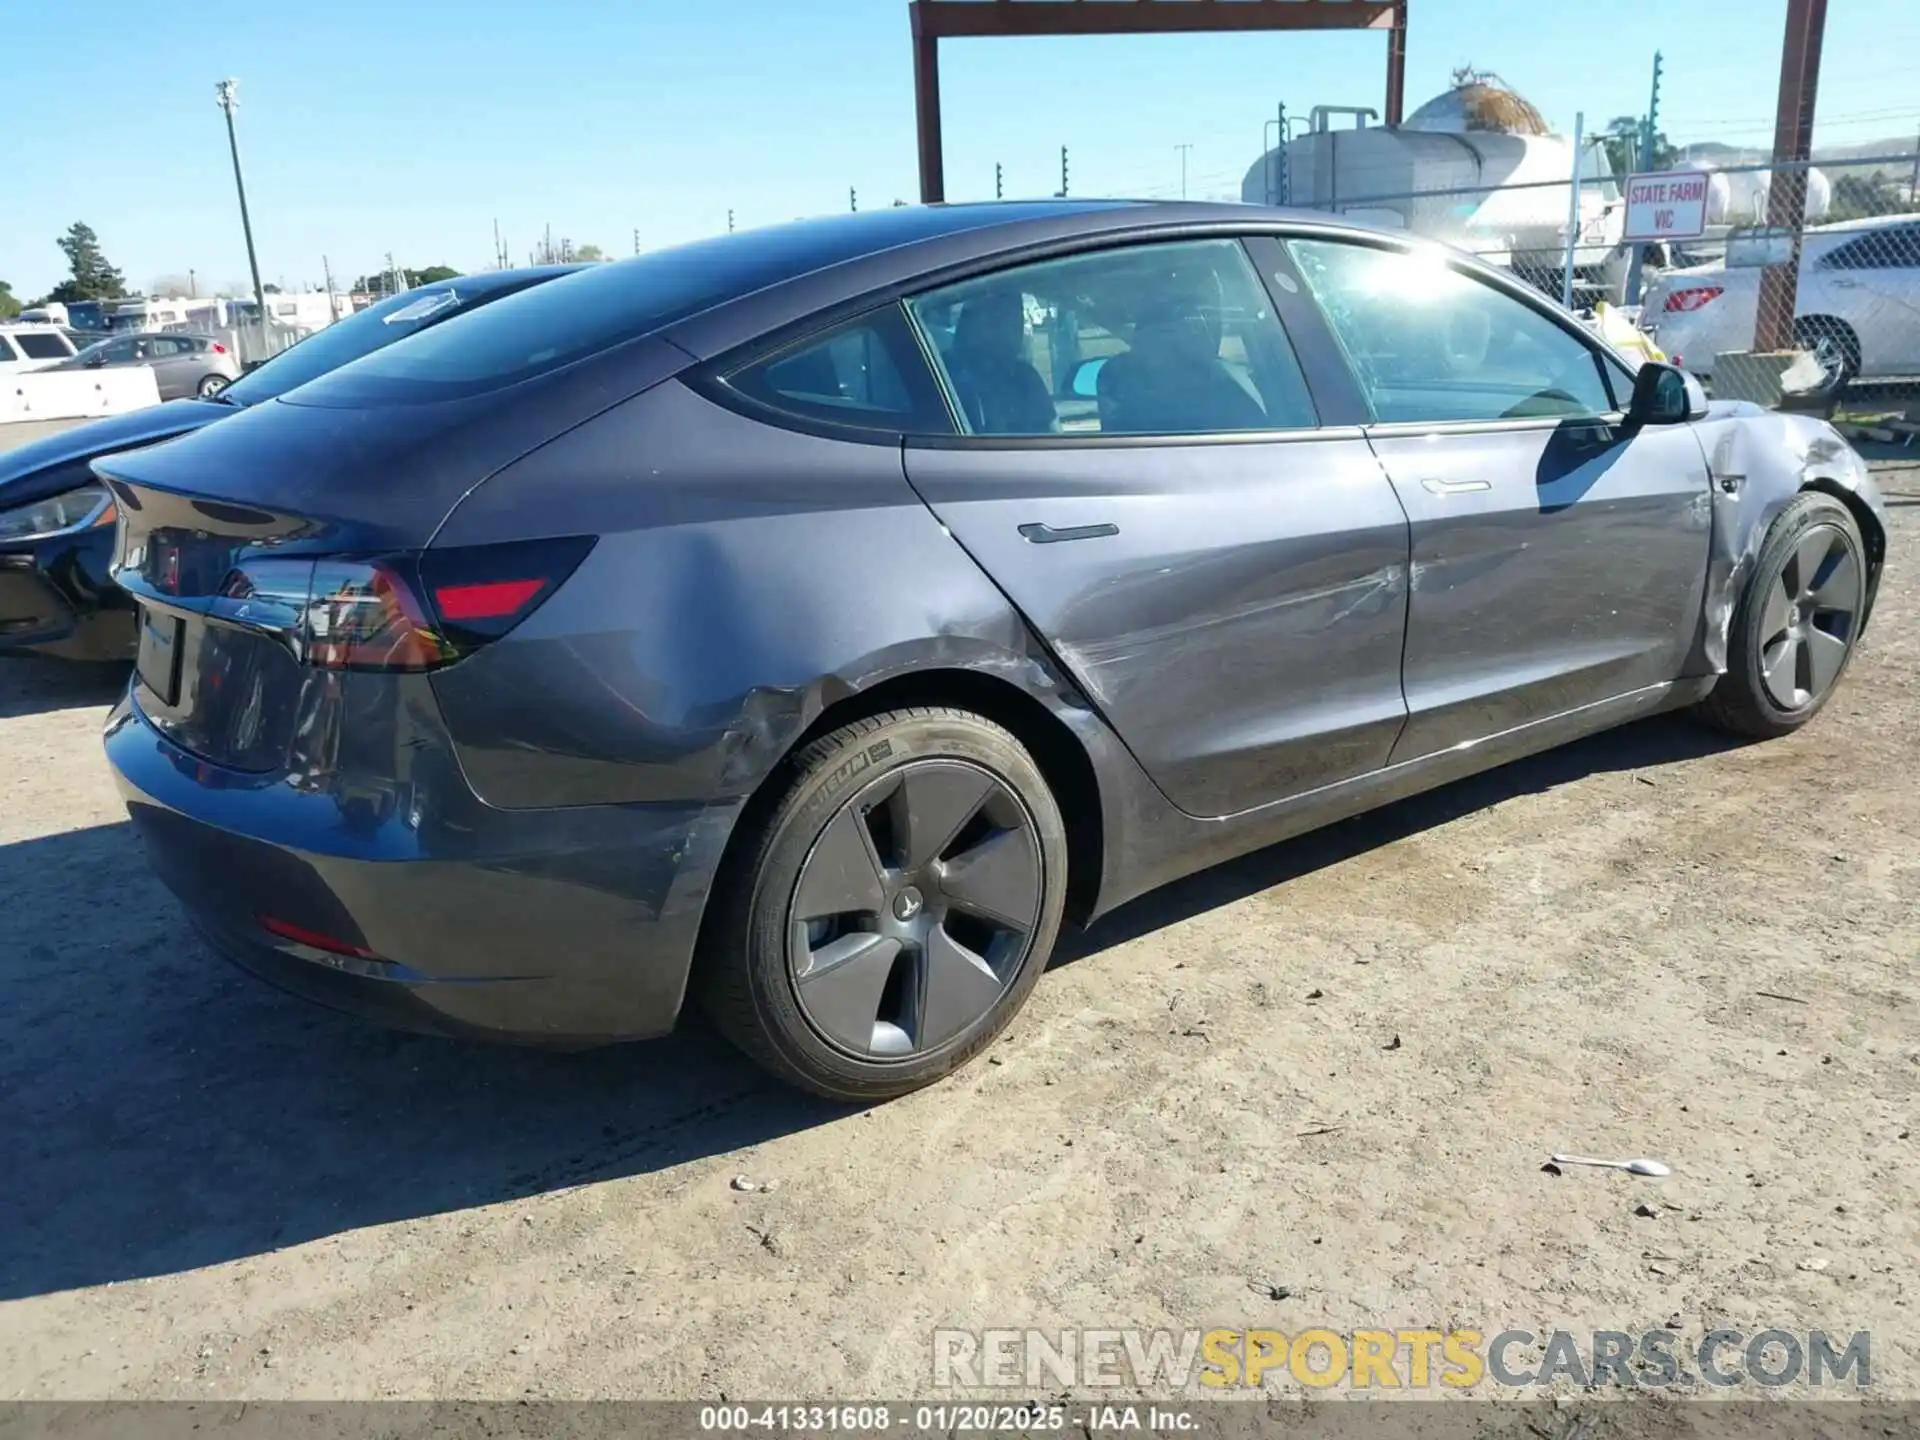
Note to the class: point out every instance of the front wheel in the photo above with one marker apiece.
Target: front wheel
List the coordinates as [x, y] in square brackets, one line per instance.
[891, 913]
[1794, 628]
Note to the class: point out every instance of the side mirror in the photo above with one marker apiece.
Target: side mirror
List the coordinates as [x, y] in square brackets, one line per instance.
[94, 362]
[1665, 395]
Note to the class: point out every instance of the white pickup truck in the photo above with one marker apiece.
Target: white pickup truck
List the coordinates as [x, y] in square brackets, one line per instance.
[31, 346]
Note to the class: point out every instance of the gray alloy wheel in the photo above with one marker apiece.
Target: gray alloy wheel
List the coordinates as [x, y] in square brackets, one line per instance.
[915, 909]
[1809, 618]
[211, 385]
[1797, 622]
[885, 916]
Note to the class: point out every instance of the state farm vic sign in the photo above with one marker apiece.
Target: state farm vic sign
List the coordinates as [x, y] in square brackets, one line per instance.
[1668, 205]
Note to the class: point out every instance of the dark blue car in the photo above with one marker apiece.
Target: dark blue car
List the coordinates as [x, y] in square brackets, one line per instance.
[56, 520]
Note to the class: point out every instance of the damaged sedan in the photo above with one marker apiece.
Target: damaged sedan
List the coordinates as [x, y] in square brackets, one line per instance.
[812, 623]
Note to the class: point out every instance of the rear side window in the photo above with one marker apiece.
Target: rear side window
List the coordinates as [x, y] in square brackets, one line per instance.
[43, 347]
[1890, 249]
[1429, 343]
[866, 373]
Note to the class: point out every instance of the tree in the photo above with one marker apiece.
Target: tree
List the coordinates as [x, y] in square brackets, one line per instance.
[1860, 197]
[382, 281]
[9, 305]
[1622, 139]
[589, 252]
[93, 278]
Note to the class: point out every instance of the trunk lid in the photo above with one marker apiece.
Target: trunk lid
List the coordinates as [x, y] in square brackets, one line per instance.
[222, 536]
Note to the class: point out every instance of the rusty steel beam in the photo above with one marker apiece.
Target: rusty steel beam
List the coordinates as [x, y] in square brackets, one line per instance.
[974, 19]
[926, 111]
[1792, 145]
[1397, 64]
[937, 20]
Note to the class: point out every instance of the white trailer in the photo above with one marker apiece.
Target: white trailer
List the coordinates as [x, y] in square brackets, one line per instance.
[1476, 168]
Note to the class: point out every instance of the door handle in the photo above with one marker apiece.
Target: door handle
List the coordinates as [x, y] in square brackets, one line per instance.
[1454, 487]
[1046, 535]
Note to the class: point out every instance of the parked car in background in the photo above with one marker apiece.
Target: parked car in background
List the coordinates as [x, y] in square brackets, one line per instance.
[701, 626]
[182, 365]
[56, 519]
[33, 347]
[1858, 308]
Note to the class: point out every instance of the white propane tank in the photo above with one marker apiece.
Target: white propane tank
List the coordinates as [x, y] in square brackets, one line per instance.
[1739, 197]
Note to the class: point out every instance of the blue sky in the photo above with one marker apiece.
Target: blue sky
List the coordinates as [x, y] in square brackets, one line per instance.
[412, 125]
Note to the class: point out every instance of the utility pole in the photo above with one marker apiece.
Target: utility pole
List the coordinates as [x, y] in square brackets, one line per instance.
[636, 242]
[1792, 148]
[1183, 149]
[229, 102]
[1063, 172]
[853, 199]
[1647, 133]
[193, 285]
[729, 222]
[333, 305]
[999, 182]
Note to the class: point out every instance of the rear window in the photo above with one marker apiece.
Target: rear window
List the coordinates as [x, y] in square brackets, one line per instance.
[43, 347]
[348, 339]
[554, 325]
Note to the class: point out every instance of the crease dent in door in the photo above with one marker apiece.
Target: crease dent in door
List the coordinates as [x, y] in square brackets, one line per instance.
[1242, 630]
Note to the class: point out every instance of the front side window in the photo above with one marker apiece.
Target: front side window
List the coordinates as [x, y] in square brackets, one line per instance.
[1430, 344]
[1171, 339]
[866, 373]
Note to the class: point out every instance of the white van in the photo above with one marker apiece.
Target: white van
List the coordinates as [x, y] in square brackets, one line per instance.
[32, 347]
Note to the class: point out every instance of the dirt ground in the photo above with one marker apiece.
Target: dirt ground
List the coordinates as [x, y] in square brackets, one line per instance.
[211, 1191]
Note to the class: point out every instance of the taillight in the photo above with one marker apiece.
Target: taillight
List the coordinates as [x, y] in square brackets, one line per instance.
[364, 615]
[400, 612]
[313, 939]
[1684, 301]
[217, 348]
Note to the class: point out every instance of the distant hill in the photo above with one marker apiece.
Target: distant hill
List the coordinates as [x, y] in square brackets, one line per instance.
[1831, 158]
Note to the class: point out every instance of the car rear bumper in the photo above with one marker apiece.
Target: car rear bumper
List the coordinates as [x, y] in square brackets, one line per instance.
[57, 599]
[567, 927]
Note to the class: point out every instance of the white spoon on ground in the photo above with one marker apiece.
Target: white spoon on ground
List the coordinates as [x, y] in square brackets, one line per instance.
[1653, 1168]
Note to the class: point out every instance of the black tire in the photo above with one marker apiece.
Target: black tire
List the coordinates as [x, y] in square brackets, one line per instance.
[211, 385]
[1741, 701]
[747, 981]
[1835, 342]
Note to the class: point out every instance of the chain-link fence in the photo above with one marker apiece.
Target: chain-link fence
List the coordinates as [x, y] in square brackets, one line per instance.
[1807, 284]
[1807, 275]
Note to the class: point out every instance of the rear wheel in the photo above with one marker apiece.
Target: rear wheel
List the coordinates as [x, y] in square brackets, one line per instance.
[893, 910]
[1794, 627]
[210, 386]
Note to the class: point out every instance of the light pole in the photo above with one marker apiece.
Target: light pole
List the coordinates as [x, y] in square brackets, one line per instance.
[1183, 149]
[224, 90]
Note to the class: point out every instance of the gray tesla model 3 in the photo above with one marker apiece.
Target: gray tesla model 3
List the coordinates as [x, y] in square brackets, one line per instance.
[816, 621]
